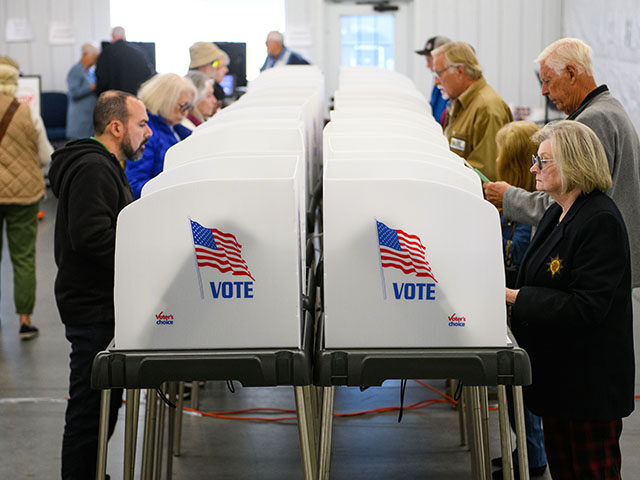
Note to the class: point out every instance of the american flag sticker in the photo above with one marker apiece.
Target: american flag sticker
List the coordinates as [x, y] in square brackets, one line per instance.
[403, 251]
[219, 250]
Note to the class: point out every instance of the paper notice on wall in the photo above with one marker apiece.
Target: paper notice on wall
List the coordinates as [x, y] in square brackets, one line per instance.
[61, 33]
[18, 30]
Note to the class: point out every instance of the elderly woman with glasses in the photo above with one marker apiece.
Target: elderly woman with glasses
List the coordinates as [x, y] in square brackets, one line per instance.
[205, 103]
[572, 308]
[168, 98]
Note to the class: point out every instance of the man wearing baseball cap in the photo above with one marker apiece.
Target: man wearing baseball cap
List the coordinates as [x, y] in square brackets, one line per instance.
[438, 101]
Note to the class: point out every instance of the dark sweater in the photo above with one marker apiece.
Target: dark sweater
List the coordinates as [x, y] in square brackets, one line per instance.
[92, 189]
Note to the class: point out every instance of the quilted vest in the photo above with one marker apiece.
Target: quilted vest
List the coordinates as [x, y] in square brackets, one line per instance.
[21, 180]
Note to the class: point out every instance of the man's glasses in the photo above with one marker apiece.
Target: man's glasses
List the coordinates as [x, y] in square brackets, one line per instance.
[438, 73]
[185, 107]
[539, 161]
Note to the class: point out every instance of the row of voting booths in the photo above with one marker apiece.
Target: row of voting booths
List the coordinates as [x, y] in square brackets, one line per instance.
[274, 250]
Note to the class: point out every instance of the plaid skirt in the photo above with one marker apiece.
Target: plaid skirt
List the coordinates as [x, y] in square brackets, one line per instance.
[583, 450]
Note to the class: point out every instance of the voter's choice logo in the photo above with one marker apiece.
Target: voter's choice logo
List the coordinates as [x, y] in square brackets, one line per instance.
[164, 318]
[405, 252]
[456, 321]
[215, 249]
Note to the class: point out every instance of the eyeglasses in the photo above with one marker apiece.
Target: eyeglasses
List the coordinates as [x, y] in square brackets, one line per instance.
[438, 73]
[538, 160]
[185, 107]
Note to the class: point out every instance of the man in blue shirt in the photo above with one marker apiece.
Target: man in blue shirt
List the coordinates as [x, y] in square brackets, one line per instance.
[438, 102]
[278, 54]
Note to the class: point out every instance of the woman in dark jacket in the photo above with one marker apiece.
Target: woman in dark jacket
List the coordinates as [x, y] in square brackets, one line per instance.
[572, 308]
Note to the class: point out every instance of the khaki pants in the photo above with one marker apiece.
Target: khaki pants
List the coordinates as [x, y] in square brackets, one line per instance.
[22, 228]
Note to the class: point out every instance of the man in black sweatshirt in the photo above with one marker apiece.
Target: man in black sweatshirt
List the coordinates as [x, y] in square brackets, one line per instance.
[88, 178]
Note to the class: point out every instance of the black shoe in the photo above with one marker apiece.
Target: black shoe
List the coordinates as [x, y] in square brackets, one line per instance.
[27, 332]
[533, 472]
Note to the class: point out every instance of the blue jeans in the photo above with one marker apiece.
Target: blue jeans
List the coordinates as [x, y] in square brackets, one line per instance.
[535, 435]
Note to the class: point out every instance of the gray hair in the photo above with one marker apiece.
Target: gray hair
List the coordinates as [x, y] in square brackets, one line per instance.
[461, 53]
[89, 48]
[567, 50]
[200, 81]
[579, 155]
[118, 32]
[161, 92]
[275, 36]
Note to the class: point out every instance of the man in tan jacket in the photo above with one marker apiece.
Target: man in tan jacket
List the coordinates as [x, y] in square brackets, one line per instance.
[477, 112]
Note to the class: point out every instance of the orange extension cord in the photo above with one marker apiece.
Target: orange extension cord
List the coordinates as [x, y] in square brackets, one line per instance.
[233, 414]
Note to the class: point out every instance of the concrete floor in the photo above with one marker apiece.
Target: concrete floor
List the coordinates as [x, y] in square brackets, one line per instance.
[34, 381]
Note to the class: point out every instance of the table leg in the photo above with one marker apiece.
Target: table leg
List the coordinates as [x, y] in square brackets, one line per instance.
[149, 435]
[326, 427]
[302, 411]
[484, 414]
[101, 464]
[130, 433]
[171, 424]
[521, 434]
[505, 434]
[178, 436]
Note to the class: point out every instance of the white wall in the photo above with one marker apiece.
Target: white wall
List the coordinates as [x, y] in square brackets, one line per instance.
[615, 40]
[89, 19]
[507, 36]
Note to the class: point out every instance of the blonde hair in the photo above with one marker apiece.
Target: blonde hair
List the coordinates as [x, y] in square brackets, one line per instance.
[161, 93]
[515, 147]
[461, 53]
[565, 51]
[8, 79]
[579, 156]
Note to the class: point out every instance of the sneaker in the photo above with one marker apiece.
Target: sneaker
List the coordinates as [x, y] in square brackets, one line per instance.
[27, 332]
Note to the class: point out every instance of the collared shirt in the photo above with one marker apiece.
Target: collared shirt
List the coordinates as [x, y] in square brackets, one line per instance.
[472, 123]
[592, 94]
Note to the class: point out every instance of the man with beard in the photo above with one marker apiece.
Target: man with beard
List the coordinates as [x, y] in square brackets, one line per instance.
[88, 178]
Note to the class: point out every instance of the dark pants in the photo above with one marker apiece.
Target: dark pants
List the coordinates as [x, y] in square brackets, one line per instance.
[80, 440]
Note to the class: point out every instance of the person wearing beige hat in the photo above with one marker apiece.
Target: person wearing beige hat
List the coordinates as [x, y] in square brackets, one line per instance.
[208, 58]
[24, 150]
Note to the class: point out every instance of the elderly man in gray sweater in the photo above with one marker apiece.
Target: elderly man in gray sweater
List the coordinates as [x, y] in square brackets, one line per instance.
[567, 79]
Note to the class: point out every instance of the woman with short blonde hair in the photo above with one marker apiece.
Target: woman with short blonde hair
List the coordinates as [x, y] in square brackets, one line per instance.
[515, 148]
[168, 98]
[571, 308]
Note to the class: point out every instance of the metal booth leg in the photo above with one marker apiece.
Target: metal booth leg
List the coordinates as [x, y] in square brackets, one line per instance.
[157, 460]
[521, 435]
[171, 424]
[149, 435]
[195, 395]
[505, 434]
[101, 464]
[472, 399]
[326, 427]
[177, 439]
[304, 431]
[130, 432]
[461, 418]
[484, 416]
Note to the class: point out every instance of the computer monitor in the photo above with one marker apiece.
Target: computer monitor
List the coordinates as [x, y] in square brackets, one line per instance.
[237, 52]
[228, 84]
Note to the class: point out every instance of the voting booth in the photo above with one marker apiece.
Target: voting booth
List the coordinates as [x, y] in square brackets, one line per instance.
[213, 263]
[412, 251]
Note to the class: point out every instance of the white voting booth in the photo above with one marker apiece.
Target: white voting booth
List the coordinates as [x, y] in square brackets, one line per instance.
[412, 252]
[212, 254]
